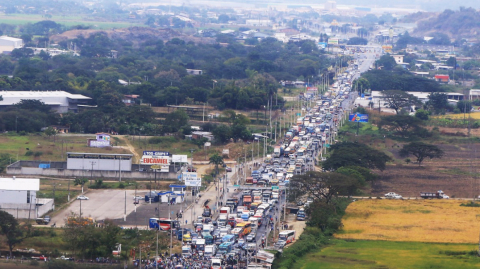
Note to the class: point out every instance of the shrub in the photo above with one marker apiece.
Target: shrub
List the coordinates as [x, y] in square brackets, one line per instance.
[121, 185]
[34, 263]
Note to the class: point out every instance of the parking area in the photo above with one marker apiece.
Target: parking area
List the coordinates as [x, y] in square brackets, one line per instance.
[101, 205]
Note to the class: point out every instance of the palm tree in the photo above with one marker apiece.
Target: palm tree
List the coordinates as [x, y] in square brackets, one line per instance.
[216, 160]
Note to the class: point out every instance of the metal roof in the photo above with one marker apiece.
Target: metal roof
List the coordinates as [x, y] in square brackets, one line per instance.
[48, 97]
[19, 184]
[103, 154]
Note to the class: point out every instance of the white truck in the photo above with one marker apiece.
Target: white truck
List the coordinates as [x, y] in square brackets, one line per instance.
[275, 196]
[222, 219]
[225, 210]
[186, 252]
[210, 251]
[200, 245]
[216, 264]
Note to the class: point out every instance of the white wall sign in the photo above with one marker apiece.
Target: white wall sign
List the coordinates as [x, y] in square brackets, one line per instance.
[179, 159]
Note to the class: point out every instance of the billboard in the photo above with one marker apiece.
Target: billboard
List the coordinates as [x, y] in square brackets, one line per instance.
[333, 41]
[322, 45]
[151, 160]
[179, 159]
[358, 117]
[156, 153]
[191, 179]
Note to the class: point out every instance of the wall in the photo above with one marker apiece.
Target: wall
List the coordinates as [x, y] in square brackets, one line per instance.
[84, 173]
[24, 211]
[15, 197]
[99, 164]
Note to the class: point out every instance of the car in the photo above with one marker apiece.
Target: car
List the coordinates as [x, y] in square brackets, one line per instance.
[250, 237]
[82, 197]
[390, 195]
[280, 244]
[228, 169]
[240, 242]
[251, 247]
[138, 197]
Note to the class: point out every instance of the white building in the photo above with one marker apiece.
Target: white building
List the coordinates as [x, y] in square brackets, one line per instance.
[18, 196]
[258, 22]
[7, 44]
[59, 101]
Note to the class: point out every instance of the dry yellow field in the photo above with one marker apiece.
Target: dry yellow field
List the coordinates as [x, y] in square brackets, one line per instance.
[473, 115]
[441, 221]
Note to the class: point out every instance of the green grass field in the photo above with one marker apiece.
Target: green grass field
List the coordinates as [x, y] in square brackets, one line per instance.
[383, 254]
[19, 19]
[44, 148]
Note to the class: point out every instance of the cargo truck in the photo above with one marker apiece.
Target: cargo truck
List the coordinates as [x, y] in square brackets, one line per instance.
[436, 195]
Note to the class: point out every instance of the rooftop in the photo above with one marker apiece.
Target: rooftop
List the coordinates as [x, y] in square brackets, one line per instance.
[19, 184]
[48, 97]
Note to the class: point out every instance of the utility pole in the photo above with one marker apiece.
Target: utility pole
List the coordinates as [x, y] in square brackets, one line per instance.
[125, 212]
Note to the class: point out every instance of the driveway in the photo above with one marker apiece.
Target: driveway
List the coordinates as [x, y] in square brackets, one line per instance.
[102, 204]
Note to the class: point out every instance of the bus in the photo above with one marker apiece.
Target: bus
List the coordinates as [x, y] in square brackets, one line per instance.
[249, 181]
[247, 227]
[225, 248]
[167, 224]
[254, 206]
[288, 236]
[301, 152]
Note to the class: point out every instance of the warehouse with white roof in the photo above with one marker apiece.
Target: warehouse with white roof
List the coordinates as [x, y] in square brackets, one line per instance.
[7, 44]
[59, 101]
[18, 196]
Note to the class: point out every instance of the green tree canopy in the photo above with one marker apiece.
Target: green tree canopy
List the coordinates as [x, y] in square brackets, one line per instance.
[321, 185]
[421, 151]
[400, 99]
[10, 228]
[400, 124]
[355, 154]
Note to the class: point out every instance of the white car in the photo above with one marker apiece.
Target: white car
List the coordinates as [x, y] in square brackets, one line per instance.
[138, 197]
[393, 195]
[82, 197]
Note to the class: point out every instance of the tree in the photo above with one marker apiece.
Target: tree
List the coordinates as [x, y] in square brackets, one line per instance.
[452, 61]
[80, 181]
[357, 41]
[361, 85]
[400, 99]
[400, 124]
[222, 133]
[464, 106]
[355, 154]
[421, 151]
[175, 121]
[422, 114]
[33, 105]
[10, 228]
[223, 18]
[387, 61]
[321, 185]
[437, 103]
[216, 160]
[49, 131]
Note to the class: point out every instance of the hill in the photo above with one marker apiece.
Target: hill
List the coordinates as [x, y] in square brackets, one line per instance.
[456, 24]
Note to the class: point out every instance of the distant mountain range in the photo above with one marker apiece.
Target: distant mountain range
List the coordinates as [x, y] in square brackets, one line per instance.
[464, 23]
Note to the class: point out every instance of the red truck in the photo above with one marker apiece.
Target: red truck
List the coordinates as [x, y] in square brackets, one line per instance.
[247, 200]
[40, 258]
